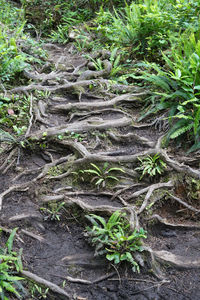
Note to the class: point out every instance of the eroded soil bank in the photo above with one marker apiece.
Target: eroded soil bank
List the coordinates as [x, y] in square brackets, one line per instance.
[78, 117]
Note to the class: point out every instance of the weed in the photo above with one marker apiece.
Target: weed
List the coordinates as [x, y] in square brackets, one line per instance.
[53, 212]
[10, 265]
[55, 171]
[114, 238]
[151, 166]
[102, 176]
[38, 292]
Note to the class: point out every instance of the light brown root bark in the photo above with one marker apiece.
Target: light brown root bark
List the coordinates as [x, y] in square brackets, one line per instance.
[180, 262]
[151, 189]
[131, 137]
[53, 287]
[197, 211]
[80, 127]
[95, 74]
[97, 105]
[168, 224]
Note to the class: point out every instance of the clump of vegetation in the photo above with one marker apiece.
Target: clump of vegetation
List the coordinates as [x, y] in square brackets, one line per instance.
[151, 166]
[178, 89]
[100, 176]
[114, 238]
[10, 265]
[53, 212]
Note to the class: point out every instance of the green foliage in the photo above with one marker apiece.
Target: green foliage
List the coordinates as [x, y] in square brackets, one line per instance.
[114, 238]
[151, 166]
[38, 292]
[47, 16]
[142, 27]
[10, 264]
[178, 88]
[101, 176]
[12, 60]
[16, 48]
[54, 211]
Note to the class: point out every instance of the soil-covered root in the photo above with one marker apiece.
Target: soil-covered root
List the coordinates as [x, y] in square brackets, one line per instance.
[41, 281]
[180, 262]
[164, 221]
[97, 105]
[80, 127]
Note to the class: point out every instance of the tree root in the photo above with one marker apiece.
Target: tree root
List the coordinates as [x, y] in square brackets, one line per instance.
[197, 211]
[151, 189]
[8, 158]
[181, 168]
[180, 262]
[166, 223]
[23, 216]
[53, 287]
[84, 281]
[34, 236]
[81, 203]
[20, 187]
[80, 127]
[96, 105]
[95, 74]
[84, 115]
[131, 137]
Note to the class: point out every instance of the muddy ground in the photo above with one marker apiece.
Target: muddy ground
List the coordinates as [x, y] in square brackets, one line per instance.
[77, 116]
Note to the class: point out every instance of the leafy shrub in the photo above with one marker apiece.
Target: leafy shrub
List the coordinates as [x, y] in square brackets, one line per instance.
[48, 15]
[114, 238]
[144, 28]
[12, 23]
[178, 88]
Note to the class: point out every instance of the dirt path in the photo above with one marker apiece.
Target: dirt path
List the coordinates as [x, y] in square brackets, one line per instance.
[79, 117]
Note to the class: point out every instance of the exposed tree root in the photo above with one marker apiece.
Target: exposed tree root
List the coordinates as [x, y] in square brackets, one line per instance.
[168, 224]
[32, 215]
[181, 168]
[131, 137]
[197, 211]
[81, 203]
[53, 287]
[80, 127]
[8, 158]
[84, 281]
[33, 235]
[151, 189]
[95, 74]
[20, 187]
[96, 105]
[180, 262]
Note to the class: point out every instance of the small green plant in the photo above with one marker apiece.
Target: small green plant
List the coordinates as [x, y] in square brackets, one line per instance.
[114, 238]
[101, 176]
[60, 35]
[10, 265]
[55, 171]
[151, 166]
[37, 292]
[53, 212]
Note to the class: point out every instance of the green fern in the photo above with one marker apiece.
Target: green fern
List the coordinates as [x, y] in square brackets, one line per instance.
[7, 137]
[181, 131]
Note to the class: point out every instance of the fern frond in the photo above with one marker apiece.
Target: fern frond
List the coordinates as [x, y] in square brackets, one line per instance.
[181, 130]
[6, 137]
